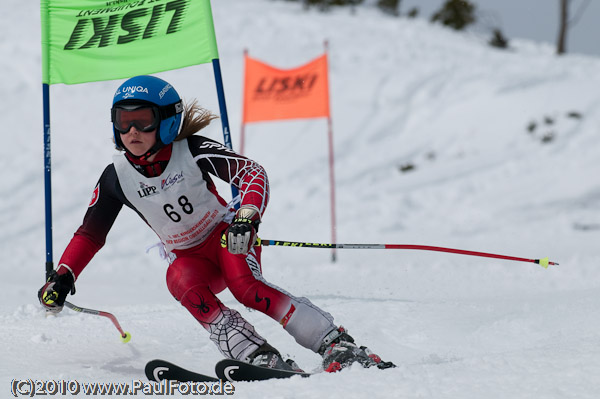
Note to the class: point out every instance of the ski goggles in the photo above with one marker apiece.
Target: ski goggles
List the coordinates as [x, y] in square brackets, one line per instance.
[144, 118]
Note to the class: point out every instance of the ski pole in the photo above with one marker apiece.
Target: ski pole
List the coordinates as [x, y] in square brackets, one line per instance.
[125, 336]
[544, 262]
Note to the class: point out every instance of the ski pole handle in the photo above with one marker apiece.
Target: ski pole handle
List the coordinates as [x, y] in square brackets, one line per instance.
[544, 262]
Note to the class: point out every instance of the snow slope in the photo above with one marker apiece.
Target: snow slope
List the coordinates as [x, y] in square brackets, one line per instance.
[404, 93]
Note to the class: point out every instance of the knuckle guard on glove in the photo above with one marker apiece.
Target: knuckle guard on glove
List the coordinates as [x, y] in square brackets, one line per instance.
[241, 234]
[52, 295]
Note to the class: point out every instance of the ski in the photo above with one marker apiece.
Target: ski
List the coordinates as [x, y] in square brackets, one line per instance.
[226, 370]
[158, 370]
[236, 370]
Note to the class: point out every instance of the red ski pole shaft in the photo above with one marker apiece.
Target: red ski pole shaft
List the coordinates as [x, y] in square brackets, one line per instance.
[544, 262]
[125, 336]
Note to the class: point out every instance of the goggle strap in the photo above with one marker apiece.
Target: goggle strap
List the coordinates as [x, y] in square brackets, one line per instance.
[167, 111]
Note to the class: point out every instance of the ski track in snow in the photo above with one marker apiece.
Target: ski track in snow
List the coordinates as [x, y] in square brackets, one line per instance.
[402, 92]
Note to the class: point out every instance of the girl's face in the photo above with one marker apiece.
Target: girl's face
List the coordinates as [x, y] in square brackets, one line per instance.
[138, 142]
[137, 127]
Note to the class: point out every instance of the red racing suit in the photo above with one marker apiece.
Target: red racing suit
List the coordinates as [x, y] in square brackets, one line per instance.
[176, 197]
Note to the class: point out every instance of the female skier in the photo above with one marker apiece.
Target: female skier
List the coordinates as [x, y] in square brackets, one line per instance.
[164, 175]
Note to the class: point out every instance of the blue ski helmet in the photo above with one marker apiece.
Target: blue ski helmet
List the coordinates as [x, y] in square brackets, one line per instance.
[153, 92]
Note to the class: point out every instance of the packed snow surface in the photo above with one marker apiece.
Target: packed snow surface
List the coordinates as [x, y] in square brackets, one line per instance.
[439, 140]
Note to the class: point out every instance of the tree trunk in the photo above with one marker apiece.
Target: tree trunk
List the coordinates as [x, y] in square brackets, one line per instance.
[561, 46]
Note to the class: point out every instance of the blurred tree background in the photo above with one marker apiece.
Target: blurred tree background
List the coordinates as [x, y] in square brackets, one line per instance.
[460, 14]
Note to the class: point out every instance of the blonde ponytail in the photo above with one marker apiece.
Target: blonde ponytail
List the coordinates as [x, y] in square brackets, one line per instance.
[195, 118]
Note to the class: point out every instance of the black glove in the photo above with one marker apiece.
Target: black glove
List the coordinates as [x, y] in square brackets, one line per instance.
[241, 234]
[53, 294]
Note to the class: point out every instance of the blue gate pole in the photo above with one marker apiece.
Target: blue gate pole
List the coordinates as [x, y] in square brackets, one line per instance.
[47, 178]
[223, 110]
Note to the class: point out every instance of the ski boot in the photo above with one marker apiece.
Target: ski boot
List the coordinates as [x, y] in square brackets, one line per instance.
[339, 351]
[269, 357]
